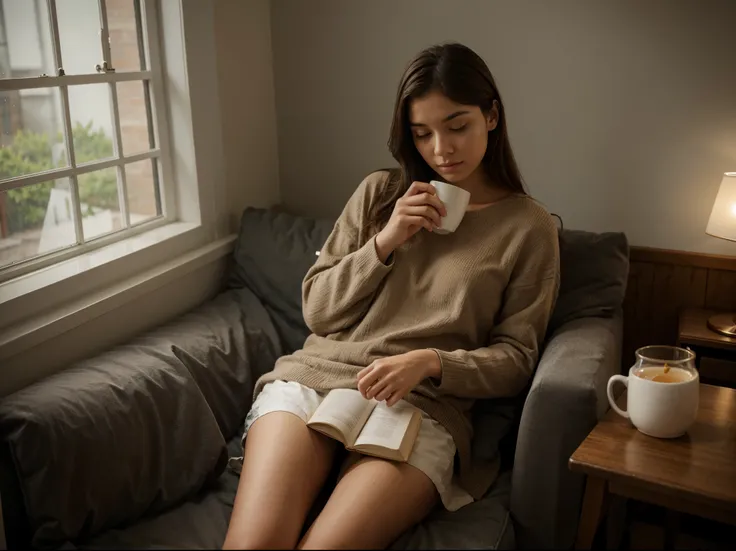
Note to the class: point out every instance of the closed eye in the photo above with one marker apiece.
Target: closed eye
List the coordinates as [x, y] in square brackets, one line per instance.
[427, 134]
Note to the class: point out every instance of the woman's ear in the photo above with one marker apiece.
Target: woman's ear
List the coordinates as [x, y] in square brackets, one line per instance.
[492, 117]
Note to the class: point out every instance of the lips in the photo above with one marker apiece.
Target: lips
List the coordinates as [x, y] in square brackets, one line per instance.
[449, 167]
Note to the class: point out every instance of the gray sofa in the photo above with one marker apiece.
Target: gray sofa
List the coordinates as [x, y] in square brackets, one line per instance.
[129, 449]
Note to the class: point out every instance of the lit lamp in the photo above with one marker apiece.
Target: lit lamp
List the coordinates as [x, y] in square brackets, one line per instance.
[722, 223]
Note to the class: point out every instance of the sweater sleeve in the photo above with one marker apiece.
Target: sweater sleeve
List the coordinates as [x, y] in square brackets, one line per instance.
[340, 286]
[504, 367]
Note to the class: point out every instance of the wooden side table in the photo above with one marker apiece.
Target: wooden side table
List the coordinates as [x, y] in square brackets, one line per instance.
[715, 354]
[694, 474]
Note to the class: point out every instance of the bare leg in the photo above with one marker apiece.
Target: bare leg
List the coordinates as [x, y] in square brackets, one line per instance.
[284, 467]
[373, 504]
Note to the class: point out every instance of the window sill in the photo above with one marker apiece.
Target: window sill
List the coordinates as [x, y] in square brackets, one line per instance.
[50, 301]
[38, 280]
[44, 277]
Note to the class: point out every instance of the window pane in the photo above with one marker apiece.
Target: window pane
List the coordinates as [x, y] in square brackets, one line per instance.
[91, 122]
[34, 220]
[31, 137]
[134, 121]
[26, 49]
[98, 195]
[141, 180]
[123, 23]
[79, 35]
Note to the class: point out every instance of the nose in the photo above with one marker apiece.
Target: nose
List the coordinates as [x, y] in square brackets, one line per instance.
[442, 145]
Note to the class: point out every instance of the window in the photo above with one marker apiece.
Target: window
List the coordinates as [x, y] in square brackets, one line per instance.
[81, 128]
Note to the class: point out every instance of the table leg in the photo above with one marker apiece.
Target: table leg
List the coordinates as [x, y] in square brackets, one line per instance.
[590, 516]
[616, 523]
[671, 528]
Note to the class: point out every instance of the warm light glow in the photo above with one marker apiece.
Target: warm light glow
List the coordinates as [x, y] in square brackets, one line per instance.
[722, 222]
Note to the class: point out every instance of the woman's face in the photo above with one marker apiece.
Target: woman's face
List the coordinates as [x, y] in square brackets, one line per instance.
[450, 137]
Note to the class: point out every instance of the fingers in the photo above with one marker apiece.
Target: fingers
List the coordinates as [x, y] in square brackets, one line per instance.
[380, 389]
[375, 381]
[363, 372]
[420, 187]
[425, 211]
[367, 378]
[384, 392]
[379, 381]
[394, 398]
[420, 221]
[426, 199]
[418, 208]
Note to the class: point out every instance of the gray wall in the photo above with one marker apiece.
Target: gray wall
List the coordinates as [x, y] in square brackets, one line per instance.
[247, 105]
[622, 114]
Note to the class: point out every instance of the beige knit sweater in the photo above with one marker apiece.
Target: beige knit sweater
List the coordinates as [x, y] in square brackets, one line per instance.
[481, 297]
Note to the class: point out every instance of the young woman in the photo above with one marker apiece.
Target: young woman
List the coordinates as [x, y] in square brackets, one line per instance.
[402, 313]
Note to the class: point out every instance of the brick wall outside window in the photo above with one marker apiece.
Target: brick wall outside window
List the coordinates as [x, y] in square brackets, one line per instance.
[132, 106]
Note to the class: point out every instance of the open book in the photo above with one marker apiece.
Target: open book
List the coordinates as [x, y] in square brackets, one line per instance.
[368, 426]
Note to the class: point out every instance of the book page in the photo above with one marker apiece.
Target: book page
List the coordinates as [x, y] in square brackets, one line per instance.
[344, 409]
[386, 426]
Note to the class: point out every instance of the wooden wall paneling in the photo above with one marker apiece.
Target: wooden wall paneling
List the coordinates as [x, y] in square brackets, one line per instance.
[683, 258]
[661, 284]
[721, 292]
[637, 309]
[675, 287]
[656, 294]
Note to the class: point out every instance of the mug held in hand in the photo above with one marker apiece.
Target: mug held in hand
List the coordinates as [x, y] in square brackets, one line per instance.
[456, 201]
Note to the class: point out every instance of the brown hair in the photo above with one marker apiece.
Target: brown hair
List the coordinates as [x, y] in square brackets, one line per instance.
[460, 74]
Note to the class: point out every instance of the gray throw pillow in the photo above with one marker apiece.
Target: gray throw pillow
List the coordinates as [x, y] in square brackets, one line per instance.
[226, 344]
[114, 438]
[594, 271]
[272, 255]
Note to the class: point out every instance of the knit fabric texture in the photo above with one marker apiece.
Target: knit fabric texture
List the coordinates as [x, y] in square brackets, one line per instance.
[480, 297]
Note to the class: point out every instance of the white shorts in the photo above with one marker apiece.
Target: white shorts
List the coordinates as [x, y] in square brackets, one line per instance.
[433, 452]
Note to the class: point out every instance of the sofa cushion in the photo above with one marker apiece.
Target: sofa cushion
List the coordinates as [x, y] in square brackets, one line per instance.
[594, 270]
[226, 344]
[116, 437]
[272, 255]
[484, 524]
[201, 522]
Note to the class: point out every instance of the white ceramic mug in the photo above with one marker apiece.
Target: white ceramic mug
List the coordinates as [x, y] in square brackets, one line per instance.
[456, 201]
[657, 408]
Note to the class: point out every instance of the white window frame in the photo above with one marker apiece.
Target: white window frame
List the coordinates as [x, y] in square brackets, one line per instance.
[152, 77]
[197, 216]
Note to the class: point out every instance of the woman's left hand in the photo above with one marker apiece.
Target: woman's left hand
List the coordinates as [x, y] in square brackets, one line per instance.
[392, 378]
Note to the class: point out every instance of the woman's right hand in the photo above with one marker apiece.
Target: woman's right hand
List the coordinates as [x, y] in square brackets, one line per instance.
[418, 208]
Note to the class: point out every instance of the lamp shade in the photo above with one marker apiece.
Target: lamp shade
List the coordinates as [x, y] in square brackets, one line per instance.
[722, 222]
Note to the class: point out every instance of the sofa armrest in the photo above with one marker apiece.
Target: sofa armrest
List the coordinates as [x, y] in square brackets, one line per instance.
[565, 401]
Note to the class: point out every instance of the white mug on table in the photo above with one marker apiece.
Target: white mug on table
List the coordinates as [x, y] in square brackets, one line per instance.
[663, 391]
